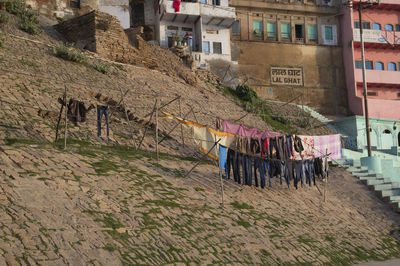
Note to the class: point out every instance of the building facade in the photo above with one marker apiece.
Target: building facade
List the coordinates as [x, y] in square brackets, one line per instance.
[381, 26]
[290, 50]
[205, 22]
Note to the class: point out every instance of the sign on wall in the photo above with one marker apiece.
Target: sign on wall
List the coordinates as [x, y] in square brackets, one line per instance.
[291, 76]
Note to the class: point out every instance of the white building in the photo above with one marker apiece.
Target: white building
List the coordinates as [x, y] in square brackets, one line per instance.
[207, 21]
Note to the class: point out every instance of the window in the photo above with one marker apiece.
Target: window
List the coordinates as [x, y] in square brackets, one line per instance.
[379, 66]
[236, 28]
[392, 66]
[389, 27]
[285, 30]
[366, 25]
[217, 48]
[206, 47]
[74, 3]
[257, 28]
[204, 1]
[328, 33]
[397, 27]
[216, 2]
[387, 131]
[356, 24]
[398, 96]
[271, 29]
[299, 29]
[327, 2]
[368, 64]
[312, 32]
[376, 26]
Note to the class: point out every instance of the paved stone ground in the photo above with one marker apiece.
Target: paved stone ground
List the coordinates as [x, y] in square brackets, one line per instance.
[107, 205]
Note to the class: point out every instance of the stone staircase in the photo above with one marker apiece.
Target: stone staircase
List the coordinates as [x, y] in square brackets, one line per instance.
[326, 121]
[386, 184]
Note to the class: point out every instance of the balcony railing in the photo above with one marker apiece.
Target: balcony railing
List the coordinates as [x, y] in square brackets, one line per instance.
[377, 36]
[197, 8]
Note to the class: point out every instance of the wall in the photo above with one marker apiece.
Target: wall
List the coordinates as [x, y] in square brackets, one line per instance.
[223, 36]
[324, 86]
[102, 33]
[355, 127]
[117, 8]
[61, 8]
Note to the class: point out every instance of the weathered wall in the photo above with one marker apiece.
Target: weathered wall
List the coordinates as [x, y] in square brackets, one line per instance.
[324, 81]
[102, 33]
[62, 8]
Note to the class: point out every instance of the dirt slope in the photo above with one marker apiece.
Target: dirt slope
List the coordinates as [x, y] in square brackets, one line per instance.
[101, 203]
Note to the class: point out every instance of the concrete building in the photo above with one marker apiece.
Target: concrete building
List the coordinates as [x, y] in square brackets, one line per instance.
[381, 24]
[291, 49]
[205, 22]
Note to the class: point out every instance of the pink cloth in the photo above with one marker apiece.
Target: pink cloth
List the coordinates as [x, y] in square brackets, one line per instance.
[316, 146]
[247, 132]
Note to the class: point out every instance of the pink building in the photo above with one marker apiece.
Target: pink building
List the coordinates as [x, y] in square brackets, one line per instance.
[381, 24]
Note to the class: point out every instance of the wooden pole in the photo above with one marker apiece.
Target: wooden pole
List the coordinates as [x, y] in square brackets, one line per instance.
[173, 128]
[220, 175]
[157, 105]
[126, 114]
[188, 173]
[60, 116]
[145, 130]
[326, 176]
[180, 114]
[66, 120]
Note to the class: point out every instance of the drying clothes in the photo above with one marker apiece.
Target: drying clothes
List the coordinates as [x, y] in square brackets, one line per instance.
[232, 162]
[318, 167]
[309, 171]
[288, 146]
[267, 167]
[325, 168]
[261, 167]
[281, 147]
[255, 146]
[274, 168]
[290, 169]
[285, 173]
[298, 146]
[300, 173]
[247, 177]
[274, 151]
[76, 110]
[102, 110]
[176, 5]
[222, 160]
[218, 123]
[204, 136]
[247, 132]
[264, 148]
[242, 144]
[316, 146]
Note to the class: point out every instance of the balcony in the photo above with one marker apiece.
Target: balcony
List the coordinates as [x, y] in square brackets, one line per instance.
[378, 77]
[190, 11]
[378, 38]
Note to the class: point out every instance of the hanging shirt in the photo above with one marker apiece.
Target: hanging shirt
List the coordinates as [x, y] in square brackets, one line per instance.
[176, 5]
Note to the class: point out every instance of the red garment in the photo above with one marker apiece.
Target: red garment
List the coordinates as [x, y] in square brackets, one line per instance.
[176, 5]
[265, 144]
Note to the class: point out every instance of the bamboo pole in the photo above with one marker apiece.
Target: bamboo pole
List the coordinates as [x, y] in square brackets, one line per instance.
[180, 114]
[60, 116]
[157, 108]
[66, 120]
[126, 114]
[326, 176]
[220, 174]
[145, 130]
[194, 166]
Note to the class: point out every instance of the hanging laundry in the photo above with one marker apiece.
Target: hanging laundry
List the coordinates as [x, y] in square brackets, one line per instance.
[102, 110]
[247, 132]
[222, 160]
[176, 5]
[316, 146]
[76, 110]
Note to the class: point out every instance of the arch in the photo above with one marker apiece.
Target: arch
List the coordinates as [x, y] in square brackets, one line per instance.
[389, 27]
[386, 139]
[376, 26]
[379, 66]
[392, 66]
